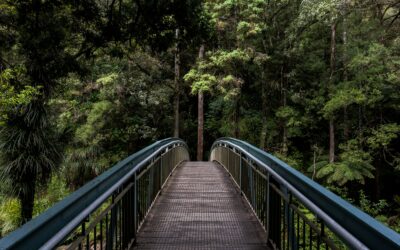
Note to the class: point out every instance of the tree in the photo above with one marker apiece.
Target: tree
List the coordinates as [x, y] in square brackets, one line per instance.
[200, 115]
[29, 145]
[52, 39]
[177, 84]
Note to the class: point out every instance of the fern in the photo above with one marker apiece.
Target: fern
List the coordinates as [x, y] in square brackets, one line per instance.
[353, 165]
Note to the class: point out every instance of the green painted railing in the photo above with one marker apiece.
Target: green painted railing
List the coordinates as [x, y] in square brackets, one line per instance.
[107, 212]
[297, 212]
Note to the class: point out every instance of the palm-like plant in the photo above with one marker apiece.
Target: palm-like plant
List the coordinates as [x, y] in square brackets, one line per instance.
[28, 153]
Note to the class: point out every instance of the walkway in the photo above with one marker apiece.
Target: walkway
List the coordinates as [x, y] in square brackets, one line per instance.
[201, 208]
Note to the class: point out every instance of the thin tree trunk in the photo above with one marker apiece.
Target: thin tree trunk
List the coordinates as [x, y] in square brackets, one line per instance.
[284, 102]
[377, 178]
[332, 69]
[264, 128]
[236, 118]
[360, 122]
[200, 116]
[27, 198]
[331, 141]
[177, 85]
[314, 162]
[345, 74]
[346, 132]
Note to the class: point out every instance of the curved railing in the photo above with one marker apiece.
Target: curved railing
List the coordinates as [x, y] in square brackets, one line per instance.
[296, 212]
[107, 212]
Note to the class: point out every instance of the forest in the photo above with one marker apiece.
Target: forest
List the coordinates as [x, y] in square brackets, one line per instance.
[86, 83]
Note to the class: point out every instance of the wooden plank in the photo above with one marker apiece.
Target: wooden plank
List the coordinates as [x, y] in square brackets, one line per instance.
[201, 208]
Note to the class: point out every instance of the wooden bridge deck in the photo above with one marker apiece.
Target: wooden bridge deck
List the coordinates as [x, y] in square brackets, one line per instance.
[201, 208]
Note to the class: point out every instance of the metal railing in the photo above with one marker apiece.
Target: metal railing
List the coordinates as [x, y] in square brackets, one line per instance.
[296, 212]
[107, 212]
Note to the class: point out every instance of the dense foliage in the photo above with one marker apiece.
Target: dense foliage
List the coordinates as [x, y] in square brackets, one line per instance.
[83, 84]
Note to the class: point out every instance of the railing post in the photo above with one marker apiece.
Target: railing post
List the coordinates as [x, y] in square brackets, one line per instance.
[174, 157]
[113, 222]
[251, 184]
[135, 210]
[229, 157]
[267, 202]
[83, 234]
[125, 218]
[275, 218]
[240, 173]
[161, 172]
[150, 187]
[290, 222]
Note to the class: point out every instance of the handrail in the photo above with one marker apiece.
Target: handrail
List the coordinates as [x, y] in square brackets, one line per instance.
[52, 226]
[356, 228]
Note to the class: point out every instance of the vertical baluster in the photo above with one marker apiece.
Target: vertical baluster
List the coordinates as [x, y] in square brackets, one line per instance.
[267, 200]
[124, 209]
[255, 191]
[283, 218]
[131, 222]
[135, 210]
[119, 224]
[119, 221]
[311, 236]
[111, 229]
[115, 224]
[320, 237]
[173, 157]
[150, 188]
[304, 234]
[259, 196]
[240, 174]
[116, 227]
[298, 230]
[275, 216]
[106, 228]
[101, 234]
[87, 241]
[161, 172]
[228, 166]
[94, 237]
[251, 182]
[291, 227]
[143, 196]
[83, 234]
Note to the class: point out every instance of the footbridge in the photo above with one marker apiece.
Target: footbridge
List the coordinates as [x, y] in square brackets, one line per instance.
[243, 198]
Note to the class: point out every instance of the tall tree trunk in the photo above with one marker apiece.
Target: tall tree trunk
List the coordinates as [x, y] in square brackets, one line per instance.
[177, 85]
[314, 163]
[345, 74]
[346, 132]
[330, 87]
[284, 102]
[331, 141]
[200, 115]
[360, 132]
[264, 128]
[377, 177]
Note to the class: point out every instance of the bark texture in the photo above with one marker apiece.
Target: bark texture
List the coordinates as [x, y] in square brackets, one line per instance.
[200, 116]
[177, 85]
[332, 69]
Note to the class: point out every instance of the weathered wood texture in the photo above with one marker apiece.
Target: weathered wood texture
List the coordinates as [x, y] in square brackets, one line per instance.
[200, 208]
